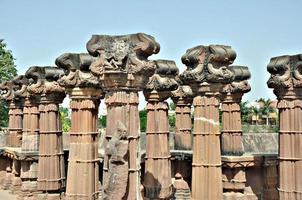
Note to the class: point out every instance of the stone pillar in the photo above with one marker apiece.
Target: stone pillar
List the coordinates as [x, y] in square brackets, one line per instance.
[30, 148]
[206, 165]
[16, 180]
[83, 165]
[182, 99]
[207, 72]
[15, 123]
[84, 91]
[270, 186]
[122, 66]
[7, 182]
[286, 80]
[231, 133]
[122, 112]
[51, 171]
[157, 176]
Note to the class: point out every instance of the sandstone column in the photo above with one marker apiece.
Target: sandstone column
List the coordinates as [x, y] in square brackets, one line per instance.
[157, 177]
[85, 93]
[207, 71]
[234, 177]
[182, 99]
[51, 171]
[123, 69]
[286, 80]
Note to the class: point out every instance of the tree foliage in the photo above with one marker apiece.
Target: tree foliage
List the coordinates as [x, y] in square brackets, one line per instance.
[143, 119]
[7, 72]
[65, 119]
[102, 121]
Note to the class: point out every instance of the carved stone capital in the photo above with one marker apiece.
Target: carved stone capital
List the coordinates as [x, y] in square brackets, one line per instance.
[6, 91]
[286, 73]
[163, 80]
[208, 64]
[183, 95]
[43, 82]
[77, 72]
[122, 61]
[20, 89]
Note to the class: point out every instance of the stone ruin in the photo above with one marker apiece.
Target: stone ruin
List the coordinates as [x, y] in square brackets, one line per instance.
[205, 162]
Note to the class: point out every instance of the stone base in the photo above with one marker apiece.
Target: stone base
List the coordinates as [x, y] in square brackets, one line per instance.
[7, 182]
[47, 196]
[234, 196]
[16, 186]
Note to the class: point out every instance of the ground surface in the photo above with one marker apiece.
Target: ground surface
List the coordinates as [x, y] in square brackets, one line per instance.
[4, 195]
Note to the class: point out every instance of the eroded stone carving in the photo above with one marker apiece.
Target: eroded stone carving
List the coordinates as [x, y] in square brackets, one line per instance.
[76, 67]
[117, 151]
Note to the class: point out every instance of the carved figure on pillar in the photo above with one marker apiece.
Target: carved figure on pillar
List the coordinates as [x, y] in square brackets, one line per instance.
[84, 91]
[51, 172]
[122, 66]
[207, 72]
[231, 133]
[182, 98]
[157, 176]
[286, 80]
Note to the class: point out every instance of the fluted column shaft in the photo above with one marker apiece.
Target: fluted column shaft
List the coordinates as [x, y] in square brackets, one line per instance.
[206, 166]
[51, 172]
[290, 151]
[83, 161]
[157, 177]
[231, 133]
[122, 107]
[15, 124]
[183, 126]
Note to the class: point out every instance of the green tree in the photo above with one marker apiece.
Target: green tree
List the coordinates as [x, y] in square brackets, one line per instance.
[65, 119]
[7, 72]
[102, 121]
[266, 108]
[255, 112]
[143, 119]
[246, 111]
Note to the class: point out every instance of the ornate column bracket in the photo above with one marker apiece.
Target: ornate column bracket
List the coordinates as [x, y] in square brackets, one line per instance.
[122, 66]
[231, 116]
[286, 80]
[85, 93]
[183, 98]
[51, 170]
[157, 176]
[207, 72]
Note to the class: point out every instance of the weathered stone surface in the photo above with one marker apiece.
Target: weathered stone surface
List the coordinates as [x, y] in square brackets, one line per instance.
[122, 67]
[207, 72]
[43, 83]
[85, 93]
[181, 188]
[286, 81]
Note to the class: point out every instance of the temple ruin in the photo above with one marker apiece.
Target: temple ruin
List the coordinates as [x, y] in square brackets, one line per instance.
[202, 160]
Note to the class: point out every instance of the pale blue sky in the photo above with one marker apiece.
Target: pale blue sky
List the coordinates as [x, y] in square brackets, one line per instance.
[39, 31]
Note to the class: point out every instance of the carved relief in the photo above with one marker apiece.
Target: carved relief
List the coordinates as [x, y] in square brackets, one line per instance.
[122, 61]
[6, 90]
[208, 64]
[115, 186]
[239, 84]
[76, 68]
[20, 89]
[43, 80]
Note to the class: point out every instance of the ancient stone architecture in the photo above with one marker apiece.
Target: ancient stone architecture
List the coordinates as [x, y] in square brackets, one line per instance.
[286, 80]
[157, 176]
[51, 170]
[84, 91]
[202, 160]
[182, 98]
[207, 72]
[121, 63]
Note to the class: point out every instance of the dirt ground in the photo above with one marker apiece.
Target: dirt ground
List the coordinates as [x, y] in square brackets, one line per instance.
[4, 195]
